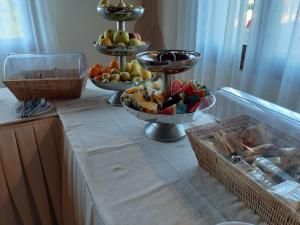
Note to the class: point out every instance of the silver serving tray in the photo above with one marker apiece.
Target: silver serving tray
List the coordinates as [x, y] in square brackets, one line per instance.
[121, 14]
[119, 86]
[170, 119]
[121, 51]
[168, 61]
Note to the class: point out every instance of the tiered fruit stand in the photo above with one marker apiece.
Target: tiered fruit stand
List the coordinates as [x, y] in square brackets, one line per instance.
[119, 13]
[168, 63]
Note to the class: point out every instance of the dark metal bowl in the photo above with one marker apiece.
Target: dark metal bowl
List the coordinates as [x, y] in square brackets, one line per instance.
[121, 51]
[168, 61]
[121, 14]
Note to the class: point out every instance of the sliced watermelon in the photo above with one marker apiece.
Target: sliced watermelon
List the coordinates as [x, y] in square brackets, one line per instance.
[189, 88]
[200, 93]
[192, 107]
[176, 86]
[171, 110]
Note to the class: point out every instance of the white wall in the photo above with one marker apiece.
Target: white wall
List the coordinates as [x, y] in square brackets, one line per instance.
[78, 24]
[168, 22]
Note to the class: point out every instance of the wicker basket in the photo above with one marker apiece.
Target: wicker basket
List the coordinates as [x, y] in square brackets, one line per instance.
[269, 207]
[51, 84]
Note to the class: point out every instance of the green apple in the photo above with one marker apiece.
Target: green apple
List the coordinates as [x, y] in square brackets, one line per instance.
[121, 37]
[115, 70]
[104, 3]
[105, 76]
[127, 67]
[125, 76]
[137, 79]
[134, 42]
[109, 33]
[121, 4]
[105, 41]
[146, 75]
[115, 77]
[134, 67]
[136, 72]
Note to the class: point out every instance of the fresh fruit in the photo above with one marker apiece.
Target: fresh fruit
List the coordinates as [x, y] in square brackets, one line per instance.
[98, 77]
[188, 88]
[98, 66]
[171, 110]
[176, 86]
[106, 70]
[114, 64]
[127, 67]
[188, 97]
[138, 96]
[105, 41]
[125, 76]
[109, 33]
[149, 107]
[114, 70]
[135, 67]
[135, 35]
[192, 108]
[134, 42]
[104, 3]
[121, 37]
[106, 76]
[101, 36]
[94, 71]
[136, 73]
[115, 77]
[201, 92]
[120, 44]
[137, 79]
[146, 75]
[132, 90]
[121, 4]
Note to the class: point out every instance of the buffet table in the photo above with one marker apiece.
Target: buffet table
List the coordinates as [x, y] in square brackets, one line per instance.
[112, 174]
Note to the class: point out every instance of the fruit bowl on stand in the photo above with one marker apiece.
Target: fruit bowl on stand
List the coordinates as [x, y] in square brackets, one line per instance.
[118, 87]
[119, 43]
[115, 50]
[166, 124]
[115, 13]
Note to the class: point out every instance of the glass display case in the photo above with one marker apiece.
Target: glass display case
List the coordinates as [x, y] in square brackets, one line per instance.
[254, 149]
[49, 75]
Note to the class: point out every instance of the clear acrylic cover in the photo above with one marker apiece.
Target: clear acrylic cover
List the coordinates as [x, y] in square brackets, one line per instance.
[260, 138]
[44, 65]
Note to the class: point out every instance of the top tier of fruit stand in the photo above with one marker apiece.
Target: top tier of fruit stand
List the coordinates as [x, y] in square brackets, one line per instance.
[121, 12]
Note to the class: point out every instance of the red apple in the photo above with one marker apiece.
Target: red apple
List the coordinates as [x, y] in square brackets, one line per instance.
[135, 35]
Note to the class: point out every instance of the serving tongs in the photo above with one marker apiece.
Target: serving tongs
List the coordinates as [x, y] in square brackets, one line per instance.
[31, 106]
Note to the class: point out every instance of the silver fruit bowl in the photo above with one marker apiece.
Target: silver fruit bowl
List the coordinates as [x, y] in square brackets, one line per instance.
[115, 50]
[168, 128]
[113, 86]
[120, 13]
[172, 119]
[168, 61]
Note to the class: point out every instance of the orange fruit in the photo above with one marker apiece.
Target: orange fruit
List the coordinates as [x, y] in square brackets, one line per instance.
[106, 70]
[98, 66]
[99, 77]
[93, 71]
[114, 64]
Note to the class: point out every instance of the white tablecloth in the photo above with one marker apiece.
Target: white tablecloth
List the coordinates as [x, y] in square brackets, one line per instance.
[115, 175]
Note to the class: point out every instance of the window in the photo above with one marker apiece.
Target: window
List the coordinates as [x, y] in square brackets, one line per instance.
[10, 26]
[249, 15]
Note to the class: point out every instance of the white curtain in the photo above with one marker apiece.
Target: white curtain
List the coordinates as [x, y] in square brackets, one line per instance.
[25, 26]
[218, 30]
